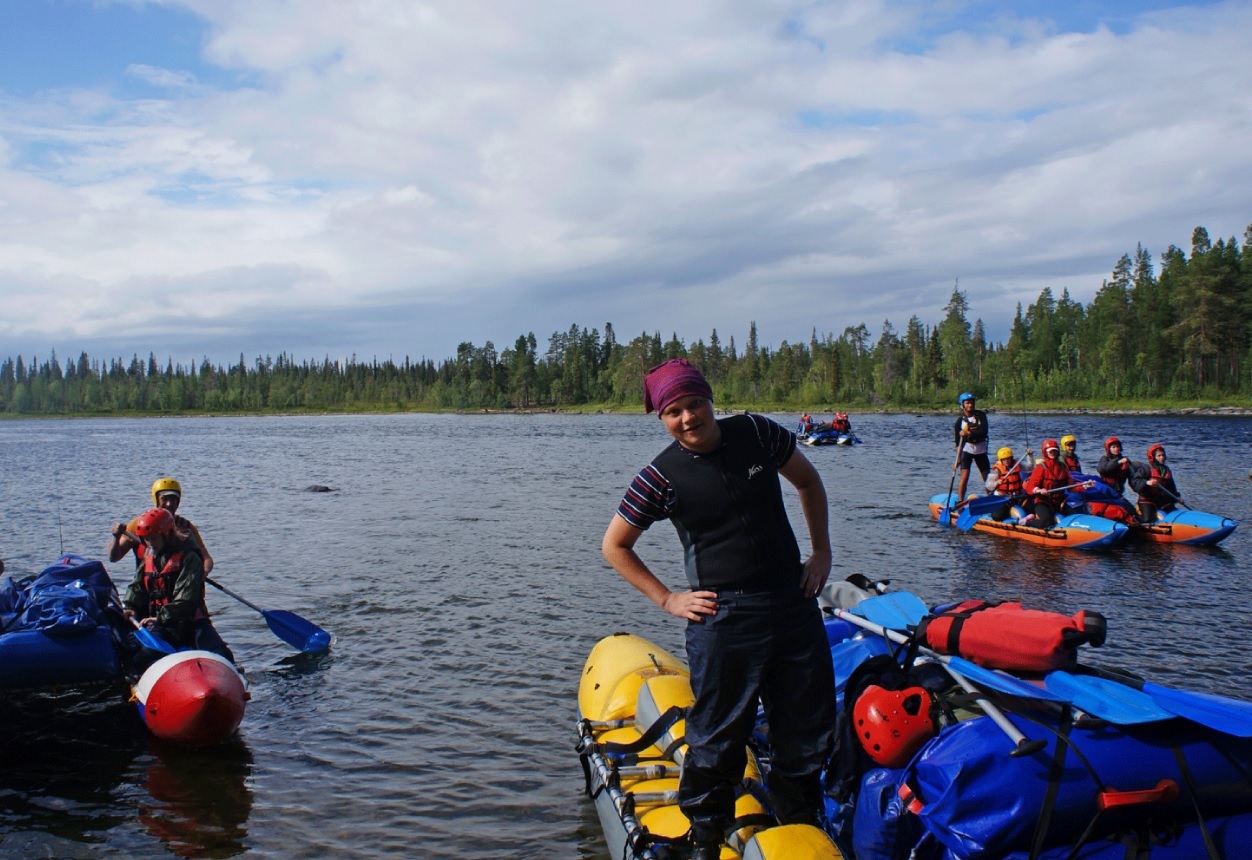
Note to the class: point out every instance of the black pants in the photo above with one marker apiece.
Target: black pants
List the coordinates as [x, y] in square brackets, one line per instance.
[771, 646]
[1045, 510]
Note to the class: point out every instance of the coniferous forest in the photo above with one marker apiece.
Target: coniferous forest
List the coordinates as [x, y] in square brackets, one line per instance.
[1178, 335]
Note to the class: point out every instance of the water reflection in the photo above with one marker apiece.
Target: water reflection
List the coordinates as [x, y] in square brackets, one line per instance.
[198, 801]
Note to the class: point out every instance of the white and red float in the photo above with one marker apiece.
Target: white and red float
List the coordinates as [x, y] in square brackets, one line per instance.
[192, 698]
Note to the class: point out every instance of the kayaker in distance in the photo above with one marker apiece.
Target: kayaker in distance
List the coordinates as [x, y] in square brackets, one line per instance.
[971, 441]
[1155, 485]
[167, 493]
[754, 629]
[167, 593]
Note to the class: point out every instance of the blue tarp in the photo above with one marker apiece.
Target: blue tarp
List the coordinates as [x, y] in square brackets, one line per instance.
[66, 599]
[54, 627]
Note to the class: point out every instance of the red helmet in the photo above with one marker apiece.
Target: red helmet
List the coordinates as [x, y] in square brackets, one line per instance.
[1152, 451]
[1109, 443]
[893, 724]
[1050, 444]
[157, 521]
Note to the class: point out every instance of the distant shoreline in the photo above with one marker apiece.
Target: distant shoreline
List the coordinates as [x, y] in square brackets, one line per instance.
[1175, 411]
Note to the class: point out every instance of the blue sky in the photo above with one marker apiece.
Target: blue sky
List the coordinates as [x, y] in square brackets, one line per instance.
[388, 178]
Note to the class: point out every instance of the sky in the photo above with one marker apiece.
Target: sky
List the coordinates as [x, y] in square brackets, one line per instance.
[390, 178]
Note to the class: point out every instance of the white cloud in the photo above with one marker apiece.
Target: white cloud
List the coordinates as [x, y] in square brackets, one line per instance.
[161, 77]
[474, 170]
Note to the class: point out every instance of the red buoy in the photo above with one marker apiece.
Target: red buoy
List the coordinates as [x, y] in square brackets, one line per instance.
[193, 698]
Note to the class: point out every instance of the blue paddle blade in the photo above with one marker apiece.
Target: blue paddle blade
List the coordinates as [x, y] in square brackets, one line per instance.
[895, 610]
[986, 504]
[1108, 700]
[299, 633]
[966, 520]
[1001, 682]
[153, 642]
[1230, 716]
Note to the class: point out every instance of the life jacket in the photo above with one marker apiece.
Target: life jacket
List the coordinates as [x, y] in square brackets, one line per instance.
[1162, 494]
[1049, 475]
[1071, 462]
[160, 584]
[1007, 636]
[729, 513]
[1010, 483]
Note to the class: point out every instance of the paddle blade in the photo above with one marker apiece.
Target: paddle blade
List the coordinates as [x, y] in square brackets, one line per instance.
[1000, 682]
[152, 641]
[986, 504]
[299, 633]
[966, 520]
[896, 610]
[1230, 716]
[1106, 699]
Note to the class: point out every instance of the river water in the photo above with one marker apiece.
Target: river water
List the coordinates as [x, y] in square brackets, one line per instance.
[456, 560]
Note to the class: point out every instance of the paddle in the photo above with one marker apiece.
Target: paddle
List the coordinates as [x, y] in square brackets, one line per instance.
[1229, 716]
[143, 635]
[1108, 700]
[150, 640]
[945, 513]
[975, 508]
[297, 632]
[1022, 745]
[983, 505]
[1177, 499]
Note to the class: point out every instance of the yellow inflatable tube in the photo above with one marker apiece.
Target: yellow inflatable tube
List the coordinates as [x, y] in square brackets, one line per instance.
[626, 685]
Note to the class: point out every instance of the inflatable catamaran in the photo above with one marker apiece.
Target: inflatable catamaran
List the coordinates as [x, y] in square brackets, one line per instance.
[65, 628]
[965, 731]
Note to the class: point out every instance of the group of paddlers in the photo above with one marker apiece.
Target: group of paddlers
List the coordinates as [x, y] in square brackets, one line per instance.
[1056, 484]
[166, 596]
[808, 427]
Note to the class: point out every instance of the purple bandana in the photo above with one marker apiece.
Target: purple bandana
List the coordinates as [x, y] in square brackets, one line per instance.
[671, 380]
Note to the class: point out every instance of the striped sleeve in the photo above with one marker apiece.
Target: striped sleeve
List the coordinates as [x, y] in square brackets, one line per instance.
[778, 441]
[649, 498]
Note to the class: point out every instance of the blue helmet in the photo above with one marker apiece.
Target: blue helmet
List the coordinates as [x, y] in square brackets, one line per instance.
[964, 397]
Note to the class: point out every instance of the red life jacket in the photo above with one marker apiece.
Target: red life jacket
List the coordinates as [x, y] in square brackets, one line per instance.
[1006, 636]
[159, 584]
[1010, 480]
[1049, 475]
[1071, 462]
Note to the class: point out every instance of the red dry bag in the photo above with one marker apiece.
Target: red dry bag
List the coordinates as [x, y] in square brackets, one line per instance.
[1006, 636]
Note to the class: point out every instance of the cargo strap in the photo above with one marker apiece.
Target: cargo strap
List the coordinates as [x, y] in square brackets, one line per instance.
[1055, 770]
[1107, 798]
[1189, 781]
[958, 621]
[629, 753]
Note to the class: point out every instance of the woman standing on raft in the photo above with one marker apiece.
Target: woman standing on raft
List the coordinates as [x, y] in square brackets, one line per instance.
[754, 630]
